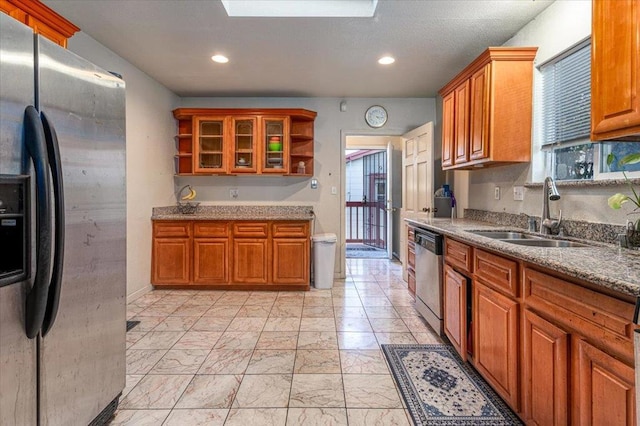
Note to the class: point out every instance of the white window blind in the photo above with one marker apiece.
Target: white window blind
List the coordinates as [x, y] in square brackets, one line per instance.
[566, 91]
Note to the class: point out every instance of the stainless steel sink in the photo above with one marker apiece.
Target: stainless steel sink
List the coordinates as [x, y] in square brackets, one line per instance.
[505, 235]
[547, 243]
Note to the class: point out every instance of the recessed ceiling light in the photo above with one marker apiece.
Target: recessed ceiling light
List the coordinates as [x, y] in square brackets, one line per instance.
[221, 59]
[386, 60]
[301, 8]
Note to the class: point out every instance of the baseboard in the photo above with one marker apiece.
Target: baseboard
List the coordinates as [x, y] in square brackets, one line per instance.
[139, 293]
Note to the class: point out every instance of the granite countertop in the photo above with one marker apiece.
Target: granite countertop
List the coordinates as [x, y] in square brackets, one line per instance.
[236, 213]
[604, 265]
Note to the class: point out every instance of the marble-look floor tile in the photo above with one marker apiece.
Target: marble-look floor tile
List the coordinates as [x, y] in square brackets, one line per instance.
[363, 362]
[147, 323]
[381, 312]
[139, 417]
[317, 362]
[158, 340]
[210, 391]
[317, 417]
[318, 324]
[133, 337]
[377, 417]
[176, 323]
[347, 302]
[395, 338]
[349, 312]
[156, 391]
[224, 311]
[427, 338]
[317, 390]
[233, 298]
[190, 311]
[204, 299]
[198, 340]
[226, 362]
[388, 325]
[277, 340]
[264, 390]
[407, 312]
[180, 361]
[272, 362]
[417, 325]
[141, 361]
[282, 324]
[370, 391]
[317, 340]
[257, 416]
[212, 324]
[130, 382]
[247, 324]
[286, 311]
[196, 417]
[317, 312]
[316, 301]
[353, 324]
[256, 311]
[238, 340]
[158, 310]
[355, 340]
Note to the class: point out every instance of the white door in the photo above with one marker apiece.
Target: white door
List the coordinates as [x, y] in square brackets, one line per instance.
[417, 160]
[390, 208]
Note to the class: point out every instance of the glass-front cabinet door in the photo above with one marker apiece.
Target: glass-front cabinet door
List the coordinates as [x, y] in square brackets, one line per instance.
[275, 145]
[243, 135]
[209, 150]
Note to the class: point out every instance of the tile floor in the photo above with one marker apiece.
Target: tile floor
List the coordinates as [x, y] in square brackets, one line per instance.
[271, 358]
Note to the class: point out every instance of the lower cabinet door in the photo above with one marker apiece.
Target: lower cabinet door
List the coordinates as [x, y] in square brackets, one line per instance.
[495, 324]
[211, 260]
[250, 261]
[455, 310]
[290, 261]
[171, 260]
[603, 389]
[545, 372]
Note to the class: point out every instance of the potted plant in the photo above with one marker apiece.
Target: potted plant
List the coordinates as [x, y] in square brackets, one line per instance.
[617, 200]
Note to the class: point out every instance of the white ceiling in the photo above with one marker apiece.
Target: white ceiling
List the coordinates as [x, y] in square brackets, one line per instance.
[173, 41]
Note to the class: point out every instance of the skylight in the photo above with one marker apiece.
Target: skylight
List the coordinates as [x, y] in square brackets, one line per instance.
[301, 8]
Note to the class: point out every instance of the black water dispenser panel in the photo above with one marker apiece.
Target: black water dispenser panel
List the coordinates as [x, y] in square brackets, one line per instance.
[15, 239]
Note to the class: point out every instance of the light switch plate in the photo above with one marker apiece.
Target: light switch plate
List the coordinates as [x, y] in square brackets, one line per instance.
[518, 193]
[496, 193]
[233, 193]
[334, 190]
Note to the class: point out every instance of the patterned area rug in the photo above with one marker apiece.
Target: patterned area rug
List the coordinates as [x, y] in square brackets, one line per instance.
[365, 252]
[439, 389]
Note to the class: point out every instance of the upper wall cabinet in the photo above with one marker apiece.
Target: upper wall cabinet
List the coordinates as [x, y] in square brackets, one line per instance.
[244, 141]
[615, 69]
[486, 119]
[43, 20]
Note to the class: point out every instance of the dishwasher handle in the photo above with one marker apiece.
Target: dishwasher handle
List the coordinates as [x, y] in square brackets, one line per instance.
[430, 241]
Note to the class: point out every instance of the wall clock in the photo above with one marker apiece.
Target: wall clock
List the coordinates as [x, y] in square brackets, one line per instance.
[376, 116]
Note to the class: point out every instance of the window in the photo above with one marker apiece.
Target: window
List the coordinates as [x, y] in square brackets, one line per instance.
[566, 121]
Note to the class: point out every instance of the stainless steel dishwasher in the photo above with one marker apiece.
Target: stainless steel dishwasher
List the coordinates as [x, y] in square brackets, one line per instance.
[429, 277]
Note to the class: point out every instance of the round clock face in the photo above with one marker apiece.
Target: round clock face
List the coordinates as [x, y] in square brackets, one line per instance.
[376, 116]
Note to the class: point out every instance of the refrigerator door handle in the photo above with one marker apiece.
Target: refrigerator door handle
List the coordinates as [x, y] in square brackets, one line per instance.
[53, 151]
[36, 147]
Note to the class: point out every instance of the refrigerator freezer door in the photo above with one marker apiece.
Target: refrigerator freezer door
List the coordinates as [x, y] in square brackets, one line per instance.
[17, 353]
[83, 356]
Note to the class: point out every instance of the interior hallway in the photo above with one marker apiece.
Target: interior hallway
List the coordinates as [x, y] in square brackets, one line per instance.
[271, 358]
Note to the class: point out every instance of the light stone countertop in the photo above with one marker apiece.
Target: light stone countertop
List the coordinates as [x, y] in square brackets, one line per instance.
[229, 212]
[604, 265]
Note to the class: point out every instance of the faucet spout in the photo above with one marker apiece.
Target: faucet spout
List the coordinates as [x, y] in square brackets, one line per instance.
[549, 192]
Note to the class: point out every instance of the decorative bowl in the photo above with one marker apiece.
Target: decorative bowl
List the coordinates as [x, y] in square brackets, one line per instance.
[275, 146]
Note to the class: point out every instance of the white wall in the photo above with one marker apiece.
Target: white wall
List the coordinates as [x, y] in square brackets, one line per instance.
[150, 150]
[559, 27]
[331, 127]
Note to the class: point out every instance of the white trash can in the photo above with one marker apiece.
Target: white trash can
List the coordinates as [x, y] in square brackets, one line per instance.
[324, 258]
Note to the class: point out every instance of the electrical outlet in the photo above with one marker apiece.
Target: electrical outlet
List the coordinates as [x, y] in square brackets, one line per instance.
[518, 193]
[334, 190]
[233, 193]
[496, 193]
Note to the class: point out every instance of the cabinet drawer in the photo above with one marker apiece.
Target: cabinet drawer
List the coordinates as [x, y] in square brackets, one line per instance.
[171, 229]
[411, 283]
[497, 272]
[250, 229]
[458, 254]
[210, 229]
[411, 233]
[290, 229]
[411, 258]
[604, 320]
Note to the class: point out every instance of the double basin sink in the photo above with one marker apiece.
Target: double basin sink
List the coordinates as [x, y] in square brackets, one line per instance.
[524, 239]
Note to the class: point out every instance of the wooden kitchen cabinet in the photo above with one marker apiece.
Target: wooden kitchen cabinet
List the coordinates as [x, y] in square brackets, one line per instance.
[171, 253]
[237, 141]
[615, 69]
[411, 260]
[545, 375]
[41, 19]
[495, 337]
[455, 309]
[488, 120]
[254, 255]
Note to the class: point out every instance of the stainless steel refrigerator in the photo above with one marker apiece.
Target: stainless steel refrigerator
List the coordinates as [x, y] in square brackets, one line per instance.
[62, 234]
